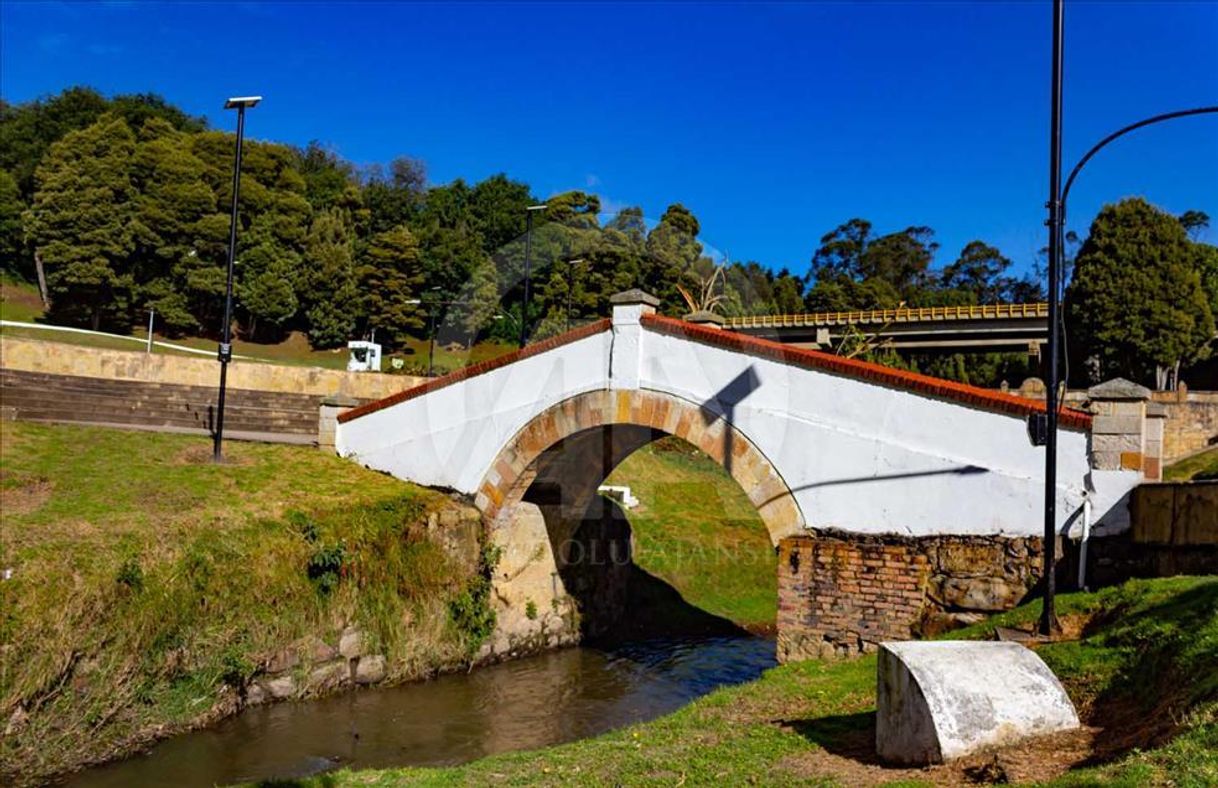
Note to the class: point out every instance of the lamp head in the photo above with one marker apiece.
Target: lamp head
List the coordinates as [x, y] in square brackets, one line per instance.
[242, 102]
[541, 207]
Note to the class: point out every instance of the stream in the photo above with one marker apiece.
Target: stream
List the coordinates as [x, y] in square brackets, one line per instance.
[529, 703]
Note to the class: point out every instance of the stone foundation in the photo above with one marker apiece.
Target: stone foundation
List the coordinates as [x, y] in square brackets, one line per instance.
[841, 594]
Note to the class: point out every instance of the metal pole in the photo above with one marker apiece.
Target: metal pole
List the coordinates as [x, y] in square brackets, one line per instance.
[226, 348]
[570, 278]
[431, 346]
[524, 310]
[1048, 618]
[151, 315]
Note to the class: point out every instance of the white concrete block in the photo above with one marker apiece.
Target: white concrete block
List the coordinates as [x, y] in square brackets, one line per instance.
[937, 701]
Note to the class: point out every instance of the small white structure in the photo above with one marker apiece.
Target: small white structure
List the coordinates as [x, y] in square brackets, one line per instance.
[365, 356]
[620, 493]
[937, 701]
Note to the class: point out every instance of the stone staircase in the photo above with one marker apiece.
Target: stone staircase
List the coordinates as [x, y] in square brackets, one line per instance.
[258, 415]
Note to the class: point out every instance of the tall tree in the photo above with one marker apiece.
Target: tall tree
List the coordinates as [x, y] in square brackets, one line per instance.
[1135, 306]
[390, 278]
[332, 296]
[82, 222]
[12, 235]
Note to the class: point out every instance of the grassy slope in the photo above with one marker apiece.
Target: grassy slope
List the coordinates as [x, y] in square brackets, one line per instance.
[146, 580]
[695, 529]
[1147, 663]
[19, 302]
[1199, 466]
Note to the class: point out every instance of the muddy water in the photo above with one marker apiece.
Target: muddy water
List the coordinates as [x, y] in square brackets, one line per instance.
[529, 703]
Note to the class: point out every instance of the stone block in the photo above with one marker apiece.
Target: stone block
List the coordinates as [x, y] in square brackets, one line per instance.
[980, 593]
[1123, 424]
[351, 644]
[1131, 460]
[281, 687]
[330, 675]
[938, 701]
[370, 669]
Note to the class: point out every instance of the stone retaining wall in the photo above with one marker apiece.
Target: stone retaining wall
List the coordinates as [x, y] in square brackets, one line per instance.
[1192, 422]
[841, 594]
[57, 358]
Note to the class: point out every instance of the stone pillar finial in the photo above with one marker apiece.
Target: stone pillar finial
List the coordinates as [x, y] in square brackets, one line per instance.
[705, 317]
[628, 310]
[1119, 429]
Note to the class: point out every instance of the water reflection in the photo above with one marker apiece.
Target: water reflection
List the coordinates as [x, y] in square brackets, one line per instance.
[525, 704]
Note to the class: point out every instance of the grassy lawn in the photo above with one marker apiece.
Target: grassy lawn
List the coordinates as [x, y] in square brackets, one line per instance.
[19, 300]
[1197, 467]
[1143, 674]
[147, 582]
[695, 529]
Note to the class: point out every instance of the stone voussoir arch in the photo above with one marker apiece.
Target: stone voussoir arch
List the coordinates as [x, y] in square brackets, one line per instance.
[515, 466]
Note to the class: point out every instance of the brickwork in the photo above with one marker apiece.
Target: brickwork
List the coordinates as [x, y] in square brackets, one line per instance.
[841, 594]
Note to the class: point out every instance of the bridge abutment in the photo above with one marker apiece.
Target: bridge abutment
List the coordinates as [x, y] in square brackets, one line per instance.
[841, 594]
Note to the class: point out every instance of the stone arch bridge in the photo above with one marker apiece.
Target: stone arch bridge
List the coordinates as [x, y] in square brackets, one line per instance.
[816, 441]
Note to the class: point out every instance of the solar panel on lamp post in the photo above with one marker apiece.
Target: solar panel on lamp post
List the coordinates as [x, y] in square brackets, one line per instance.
[225, 353]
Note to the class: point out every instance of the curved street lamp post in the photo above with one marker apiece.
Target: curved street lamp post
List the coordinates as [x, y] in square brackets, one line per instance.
[1057, 212]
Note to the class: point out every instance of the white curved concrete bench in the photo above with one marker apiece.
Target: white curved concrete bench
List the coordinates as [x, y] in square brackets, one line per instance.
[937, 701]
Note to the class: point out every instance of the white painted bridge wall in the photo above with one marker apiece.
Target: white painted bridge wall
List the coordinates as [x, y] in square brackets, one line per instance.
[857, 456]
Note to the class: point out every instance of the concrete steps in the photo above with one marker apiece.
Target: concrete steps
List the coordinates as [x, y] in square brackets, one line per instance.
[33, 396]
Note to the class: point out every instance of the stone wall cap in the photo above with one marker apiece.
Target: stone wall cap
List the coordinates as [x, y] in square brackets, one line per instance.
[704, 317]
[340, 401]
[634, 296]
[1118, 388]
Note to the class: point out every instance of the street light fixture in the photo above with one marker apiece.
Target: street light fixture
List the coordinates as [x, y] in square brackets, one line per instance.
[1048, 623]
[528, 248]
[571, 283]
[225, 352]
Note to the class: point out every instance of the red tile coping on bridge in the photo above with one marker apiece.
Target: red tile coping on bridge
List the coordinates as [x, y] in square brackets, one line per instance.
[861, 370]
[755, 346]
[566, 338]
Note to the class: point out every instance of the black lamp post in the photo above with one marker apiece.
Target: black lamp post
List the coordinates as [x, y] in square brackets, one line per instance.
[528, 248]
[570, 284]
[1057, 212]
[225, 353]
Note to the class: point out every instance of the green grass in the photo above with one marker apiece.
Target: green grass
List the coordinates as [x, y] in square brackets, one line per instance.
[148, 582]
[696, 530]
[1145, 669]
[19, 300]
[1197, 467]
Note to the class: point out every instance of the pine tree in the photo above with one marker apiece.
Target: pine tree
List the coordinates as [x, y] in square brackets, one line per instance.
[390, 279]
[1136, 306]
[329, 281]
[82, 222]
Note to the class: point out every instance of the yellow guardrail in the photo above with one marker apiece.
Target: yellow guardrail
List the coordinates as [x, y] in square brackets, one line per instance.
[903, 315]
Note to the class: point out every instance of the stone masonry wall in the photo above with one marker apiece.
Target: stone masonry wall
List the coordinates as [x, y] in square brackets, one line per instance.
[1191, 424]
[841, 594]
[57, 358]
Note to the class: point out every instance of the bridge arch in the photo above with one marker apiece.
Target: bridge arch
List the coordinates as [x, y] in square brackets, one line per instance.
[562, 455]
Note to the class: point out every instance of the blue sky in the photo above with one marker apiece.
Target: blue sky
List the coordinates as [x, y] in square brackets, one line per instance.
[773, 123]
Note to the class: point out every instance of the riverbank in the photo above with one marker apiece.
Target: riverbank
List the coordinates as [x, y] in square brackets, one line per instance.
[1142, 676]
[149, 590]
[152, 592]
